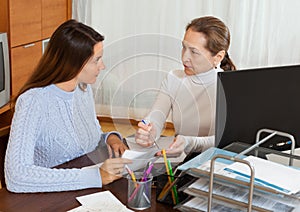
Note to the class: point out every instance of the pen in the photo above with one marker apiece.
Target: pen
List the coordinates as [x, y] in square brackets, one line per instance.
[131, 174]
[135, 192]
[144, 178]
[146, 122]
[174, 189]
[147, 172]
[168, 172]
[281, 143]
[168, 186]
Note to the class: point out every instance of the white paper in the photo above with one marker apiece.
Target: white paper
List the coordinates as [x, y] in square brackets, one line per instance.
[285, 160]
[100, 201]
[240, 193]
[276, 176]
[162, 142]
[139, 159]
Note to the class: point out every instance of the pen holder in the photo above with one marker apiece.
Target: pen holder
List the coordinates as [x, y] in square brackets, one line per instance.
[161, 182]
[139, 192]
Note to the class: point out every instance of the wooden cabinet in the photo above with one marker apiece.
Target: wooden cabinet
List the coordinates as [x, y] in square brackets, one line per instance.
[31, 22]
[54, 13]
[35, 19]
[23, 61]
[24, 21]
[27, 24]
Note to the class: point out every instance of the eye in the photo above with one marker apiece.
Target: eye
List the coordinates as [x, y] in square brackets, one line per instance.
[194, 51]
[98, 58]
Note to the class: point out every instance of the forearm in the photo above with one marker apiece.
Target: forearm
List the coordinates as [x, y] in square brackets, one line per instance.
[22, 179]
[198, 144]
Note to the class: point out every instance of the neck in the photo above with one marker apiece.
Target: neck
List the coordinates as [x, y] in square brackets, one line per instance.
[67, 86]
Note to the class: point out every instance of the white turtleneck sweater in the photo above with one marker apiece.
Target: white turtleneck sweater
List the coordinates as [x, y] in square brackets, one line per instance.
[191, 100]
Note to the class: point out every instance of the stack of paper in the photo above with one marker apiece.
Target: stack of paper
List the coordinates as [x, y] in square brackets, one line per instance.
[237, 196]
[270, 174]
[283, 159]
[102, 201]
[231, 196]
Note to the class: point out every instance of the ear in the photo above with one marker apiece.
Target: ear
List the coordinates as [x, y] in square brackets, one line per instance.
[219, 57]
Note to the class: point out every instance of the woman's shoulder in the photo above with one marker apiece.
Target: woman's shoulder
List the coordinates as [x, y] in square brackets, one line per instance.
[33, 92]
[175, 75]
[173, 79]
[33, 95]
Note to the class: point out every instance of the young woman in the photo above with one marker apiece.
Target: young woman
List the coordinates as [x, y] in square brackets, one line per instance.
[55, 119]
[189, 95]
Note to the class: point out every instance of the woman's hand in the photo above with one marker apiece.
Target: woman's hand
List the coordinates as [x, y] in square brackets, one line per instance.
[145, 134]
[115, 146]
[112, 169]
[176, 148]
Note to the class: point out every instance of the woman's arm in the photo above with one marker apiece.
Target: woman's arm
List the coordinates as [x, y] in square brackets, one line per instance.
[21, 172]
[189, 144]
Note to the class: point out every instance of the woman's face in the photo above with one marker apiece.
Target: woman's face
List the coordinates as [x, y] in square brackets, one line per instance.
[195, 57]
[92, 68]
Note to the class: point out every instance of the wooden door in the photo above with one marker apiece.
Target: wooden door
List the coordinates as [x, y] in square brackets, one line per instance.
[23, 61]
[54, 13]
[25, 21]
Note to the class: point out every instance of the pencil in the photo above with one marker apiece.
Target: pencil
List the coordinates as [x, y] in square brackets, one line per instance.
[131, 174]
[146, 122]
[174, 189]
[168, 172]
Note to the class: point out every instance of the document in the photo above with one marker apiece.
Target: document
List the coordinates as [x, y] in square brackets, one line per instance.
[199, 204]
[206, 156]
[262, 200]
[139, 159]
[270, 174]
[227, 192]
[103, 201]
[285, 160]
[141, 155]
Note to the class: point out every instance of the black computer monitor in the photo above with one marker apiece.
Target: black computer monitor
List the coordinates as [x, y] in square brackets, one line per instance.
[249, 100]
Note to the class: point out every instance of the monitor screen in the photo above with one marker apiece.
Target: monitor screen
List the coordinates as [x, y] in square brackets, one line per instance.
[4, 70]
[250, 100]
[2, 74]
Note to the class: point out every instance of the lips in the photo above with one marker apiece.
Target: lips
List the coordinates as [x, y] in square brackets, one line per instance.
[187, 67]
[188, 70]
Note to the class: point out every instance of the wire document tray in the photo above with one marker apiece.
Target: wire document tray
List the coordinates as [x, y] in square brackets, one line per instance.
[213, 190]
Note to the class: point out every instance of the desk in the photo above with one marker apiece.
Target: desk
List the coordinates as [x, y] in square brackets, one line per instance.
[63, 201]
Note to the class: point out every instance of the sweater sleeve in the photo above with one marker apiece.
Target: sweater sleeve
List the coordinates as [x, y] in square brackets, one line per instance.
[21, 174]
[162, 105]
[198, 144]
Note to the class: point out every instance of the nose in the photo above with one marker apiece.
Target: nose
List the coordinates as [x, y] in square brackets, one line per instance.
[101, 65]
[185, 56]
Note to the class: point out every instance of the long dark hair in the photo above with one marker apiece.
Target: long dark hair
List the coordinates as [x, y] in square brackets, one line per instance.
[69, 48]
[217, 35]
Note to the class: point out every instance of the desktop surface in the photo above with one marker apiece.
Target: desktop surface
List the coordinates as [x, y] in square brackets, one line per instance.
[66, 200]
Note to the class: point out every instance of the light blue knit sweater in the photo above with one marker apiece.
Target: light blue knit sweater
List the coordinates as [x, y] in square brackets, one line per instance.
[49, 127]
